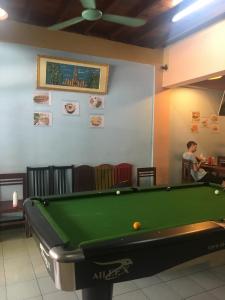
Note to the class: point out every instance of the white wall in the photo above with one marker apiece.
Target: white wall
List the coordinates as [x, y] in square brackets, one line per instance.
[196, 57]
[127, 136]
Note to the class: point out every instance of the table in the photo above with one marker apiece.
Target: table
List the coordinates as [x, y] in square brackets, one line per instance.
[7, 207]
[219, 170]
[87, 241]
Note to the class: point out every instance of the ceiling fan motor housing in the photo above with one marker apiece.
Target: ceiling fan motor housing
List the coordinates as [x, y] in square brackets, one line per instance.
[92, 14]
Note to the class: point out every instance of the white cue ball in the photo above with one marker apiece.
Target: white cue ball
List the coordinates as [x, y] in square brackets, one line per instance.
[118, 192]
[216, 192]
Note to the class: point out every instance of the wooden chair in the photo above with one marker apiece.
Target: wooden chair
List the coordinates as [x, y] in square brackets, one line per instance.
[149, 172]
[186, 171]
[6, 206]
[221, 161]
[62, 179]
[104, 177]
[84, 178]
[39, 181]
[123, 175]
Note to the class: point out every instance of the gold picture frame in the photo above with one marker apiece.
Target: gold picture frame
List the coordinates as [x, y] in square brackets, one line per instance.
[54, 73]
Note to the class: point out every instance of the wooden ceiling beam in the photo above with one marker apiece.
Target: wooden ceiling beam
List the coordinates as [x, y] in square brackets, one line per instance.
[27, 9]
[145, 5]
[158, 21]
[65, 8]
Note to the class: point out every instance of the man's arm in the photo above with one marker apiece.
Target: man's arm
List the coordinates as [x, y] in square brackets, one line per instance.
[196, 166]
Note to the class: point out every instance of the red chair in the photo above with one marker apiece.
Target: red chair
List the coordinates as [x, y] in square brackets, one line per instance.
[123, 175]
[84, 178]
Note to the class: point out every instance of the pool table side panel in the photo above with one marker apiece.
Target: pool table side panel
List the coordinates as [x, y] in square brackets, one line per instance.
[134, 259]
[46, 234]
[51, 221]
[141, 261]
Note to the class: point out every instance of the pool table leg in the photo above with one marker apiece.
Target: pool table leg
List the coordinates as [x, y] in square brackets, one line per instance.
[103, 292]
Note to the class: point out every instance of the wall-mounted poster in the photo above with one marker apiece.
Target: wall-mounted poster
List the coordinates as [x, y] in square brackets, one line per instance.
[42, 97]
[96, 121]
[42, 119]
[214, 118]
[96, 102]
[215, 128]
[194, 128]
[71, 108]
[70, 75]
[204, 122]
[195, 116]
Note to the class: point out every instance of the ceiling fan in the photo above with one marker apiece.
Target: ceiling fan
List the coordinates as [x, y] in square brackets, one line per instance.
[91, 13]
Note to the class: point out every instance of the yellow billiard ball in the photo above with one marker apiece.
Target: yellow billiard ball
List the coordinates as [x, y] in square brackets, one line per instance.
[136, 225]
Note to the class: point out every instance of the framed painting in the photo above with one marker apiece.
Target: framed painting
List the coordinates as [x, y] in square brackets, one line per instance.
[73, 76]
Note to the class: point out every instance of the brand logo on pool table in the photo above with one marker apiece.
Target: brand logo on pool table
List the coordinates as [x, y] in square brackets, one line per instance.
[116, 268]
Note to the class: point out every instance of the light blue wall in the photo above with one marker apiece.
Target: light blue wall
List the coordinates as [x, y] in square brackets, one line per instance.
[127, 136]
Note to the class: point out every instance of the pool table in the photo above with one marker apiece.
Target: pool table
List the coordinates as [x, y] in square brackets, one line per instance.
[88, 242]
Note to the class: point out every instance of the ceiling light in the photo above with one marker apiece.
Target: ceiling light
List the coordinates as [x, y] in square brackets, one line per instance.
[3, 14]
[216, 77]
[190, 9]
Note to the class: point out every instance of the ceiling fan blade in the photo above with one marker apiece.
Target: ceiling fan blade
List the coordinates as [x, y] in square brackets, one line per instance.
[133, 22]
[66, 24]
[88, 4]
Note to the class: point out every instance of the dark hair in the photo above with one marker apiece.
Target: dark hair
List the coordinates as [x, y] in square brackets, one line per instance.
[191, 143]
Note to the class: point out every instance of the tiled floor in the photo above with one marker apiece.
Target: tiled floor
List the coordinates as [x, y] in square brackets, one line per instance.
[23, 276]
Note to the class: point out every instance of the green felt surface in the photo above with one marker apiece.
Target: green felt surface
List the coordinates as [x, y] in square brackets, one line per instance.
[110, 216]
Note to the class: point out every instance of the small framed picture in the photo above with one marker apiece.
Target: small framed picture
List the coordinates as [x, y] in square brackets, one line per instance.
[71, 108]
[96, 121]
[42, 97]
[204, 122]
[42, 119]
[96, 102]
[214, 118]
[215, 128]
[194, 128]
[195, 116]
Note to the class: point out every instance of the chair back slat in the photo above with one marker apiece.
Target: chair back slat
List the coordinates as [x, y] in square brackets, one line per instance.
[14, 179]
[39, 181]
[62, 179]
[186, 171]
[149, 172]
[104, 177]
[221, 161]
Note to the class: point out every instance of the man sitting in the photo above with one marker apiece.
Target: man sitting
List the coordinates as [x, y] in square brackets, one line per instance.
[197, 172]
